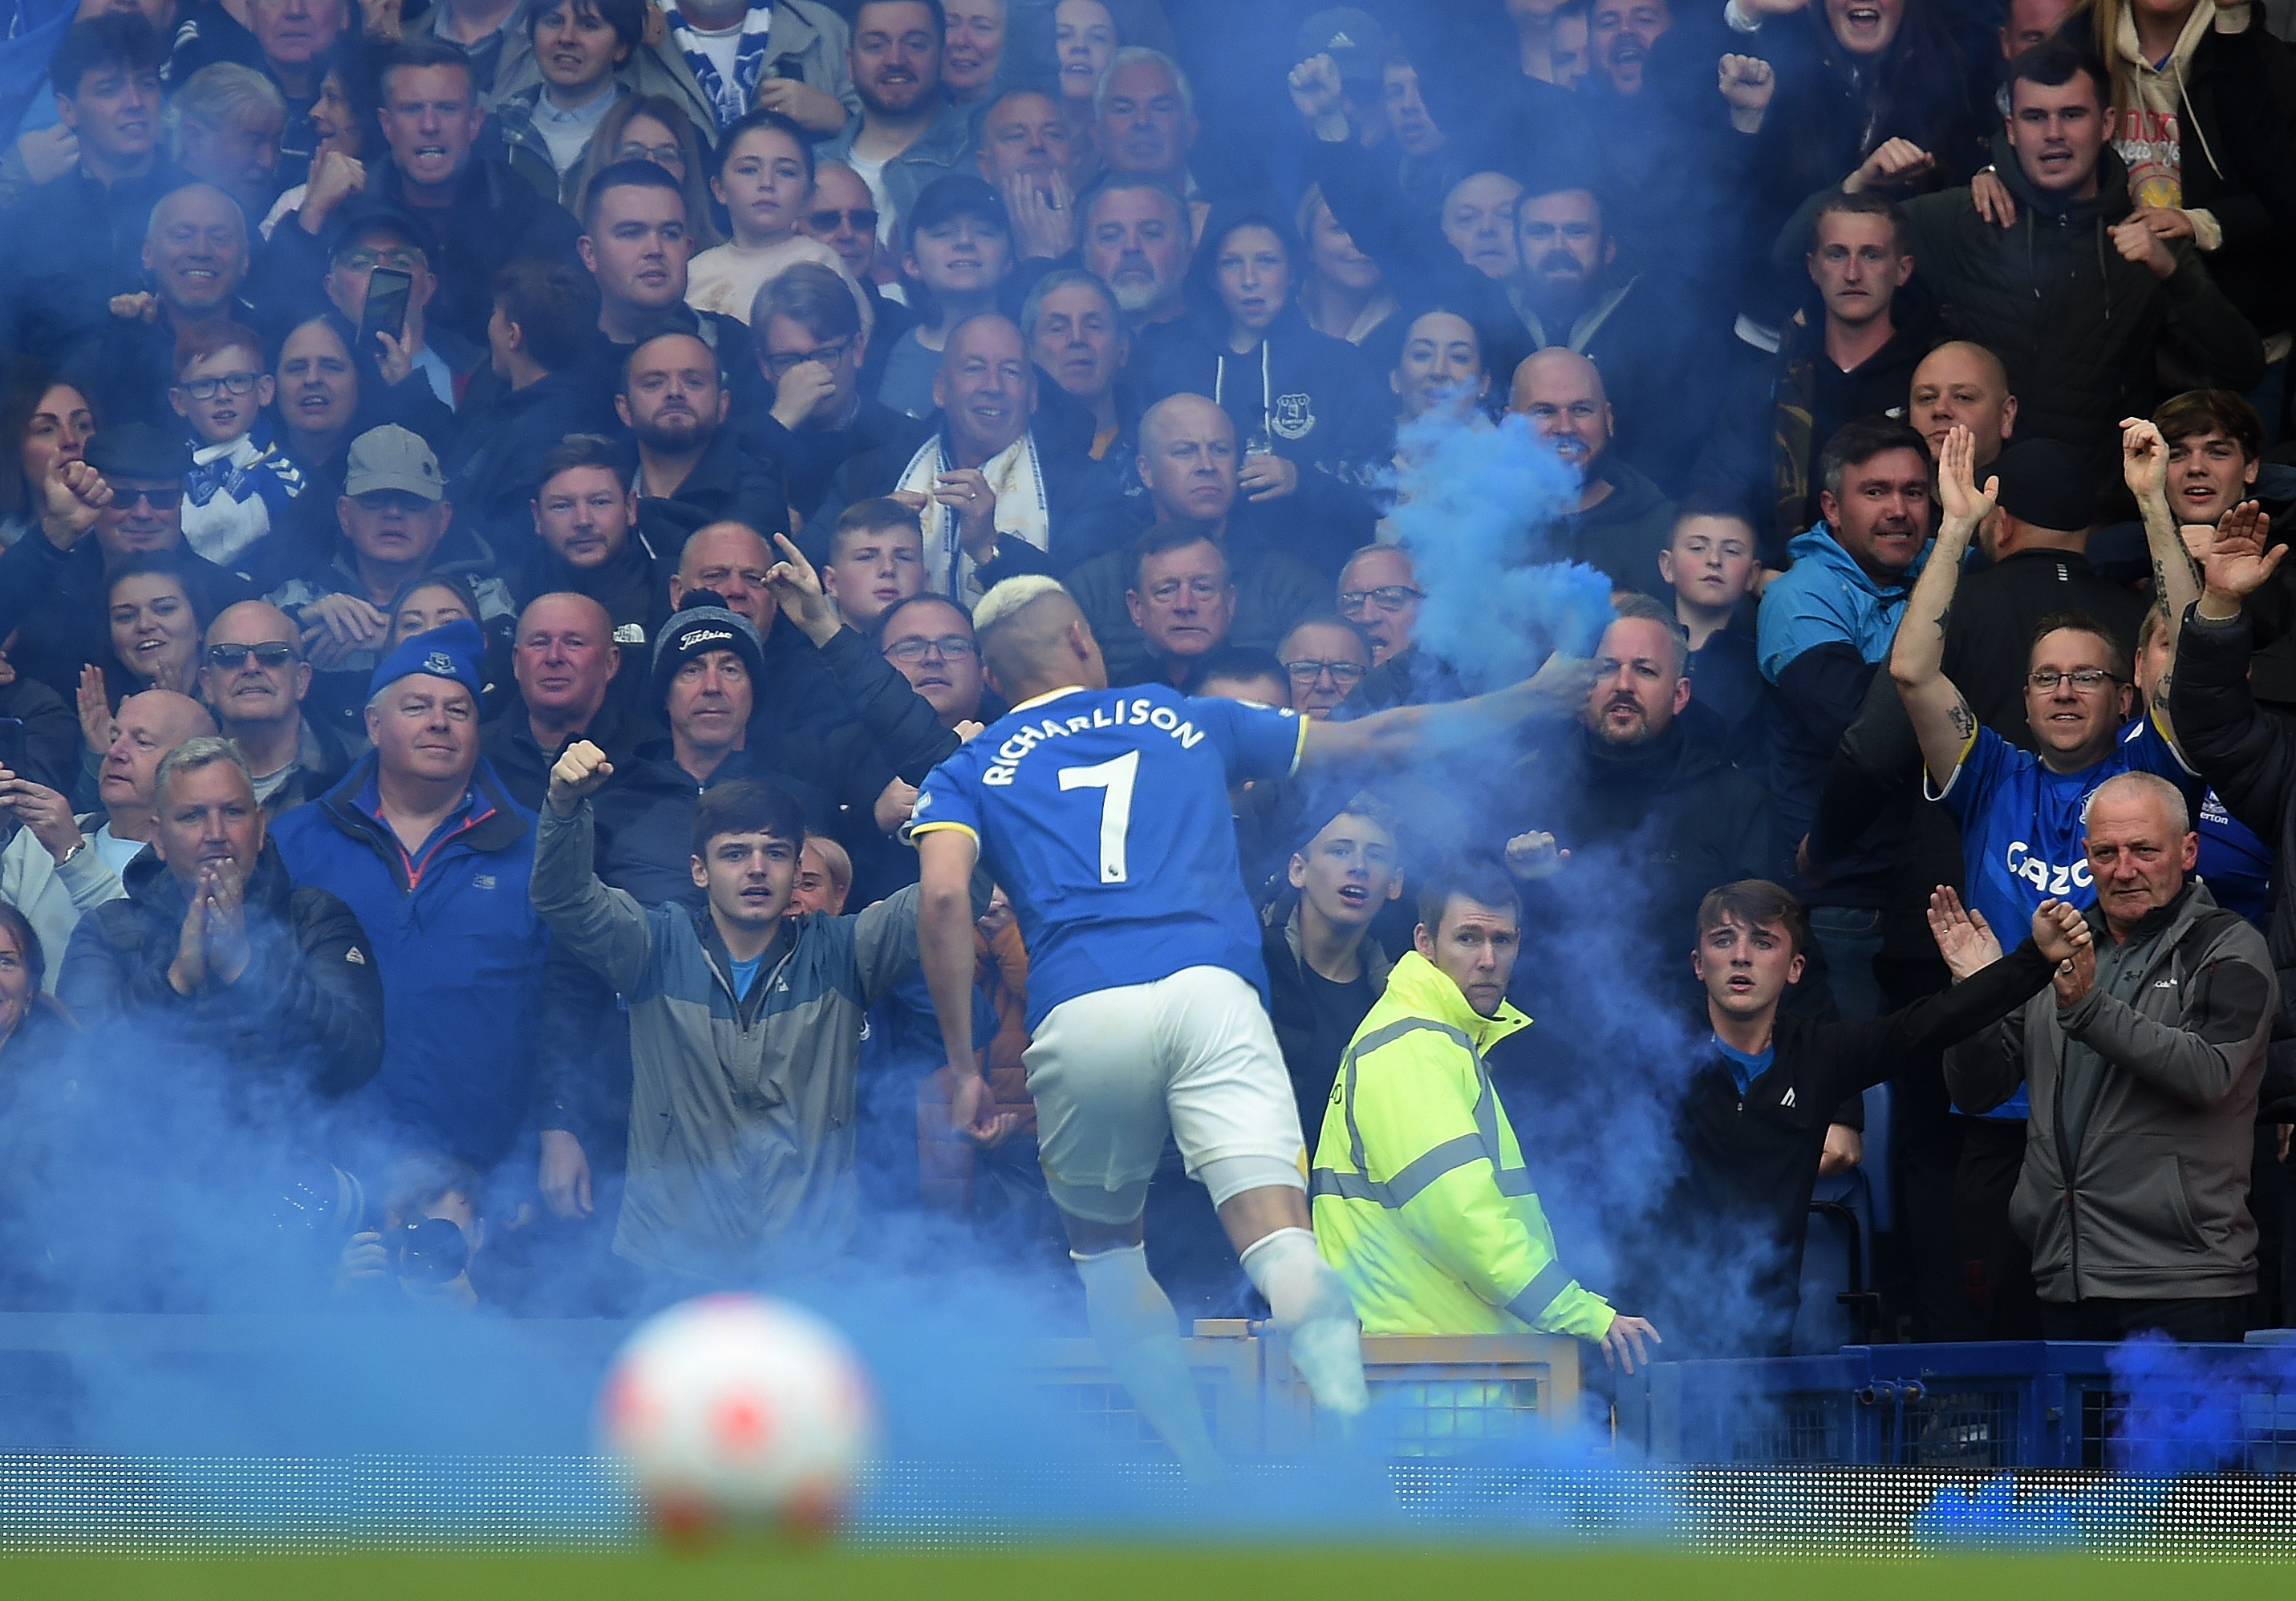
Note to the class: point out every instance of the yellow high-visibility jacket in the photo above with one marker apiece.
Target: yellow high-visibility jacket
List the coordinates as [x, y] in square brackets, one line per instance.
[1420, 1201]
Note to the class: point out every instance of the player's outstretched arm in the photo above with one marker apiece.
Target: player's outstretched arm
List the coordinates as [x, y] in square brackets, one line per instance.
[1940, 717]
[1557, 689]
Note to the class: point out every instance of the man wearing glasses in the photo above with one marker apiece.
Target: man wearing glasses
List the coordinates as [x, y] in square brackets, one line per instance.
[812, 351]
[254, 676]
[1380, 595]
[929, 639]
[383, 234]
[2021, 811]
[1325, 658]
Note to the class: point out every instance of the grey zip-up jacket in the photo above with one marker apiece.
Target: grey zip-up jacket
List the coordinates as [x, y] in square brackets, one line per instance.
[742, 1119]
[2154, 1206]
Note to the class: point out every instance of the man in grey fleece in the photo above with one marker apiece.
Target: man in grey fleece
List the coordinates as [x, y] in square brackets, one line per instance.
[2144, 1059]
[746, 1030]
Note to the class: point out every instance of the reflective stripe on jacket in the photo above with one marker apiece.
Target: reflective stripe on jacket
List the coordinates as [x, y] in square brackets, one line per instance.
[1422, 1203]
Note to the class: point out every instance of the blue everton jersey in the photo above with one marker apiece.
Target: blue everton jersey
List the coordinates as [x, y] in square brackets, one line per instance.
[2022, 826]
[1104, 814]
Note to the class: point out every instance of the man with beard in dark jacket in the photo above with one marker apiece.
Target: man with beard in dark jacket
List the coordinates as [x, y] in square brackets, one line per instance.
[1654, 345]
[2079, 297]
[217, 955]
[1638, 793]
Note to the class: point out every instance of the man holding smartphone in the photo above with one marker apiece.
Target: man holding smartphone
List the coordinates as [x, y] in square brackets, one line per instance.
[379, 276]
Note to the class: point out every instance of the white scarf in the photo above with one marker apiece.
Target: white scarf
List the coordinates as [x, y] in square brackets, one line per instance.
[1017, 480]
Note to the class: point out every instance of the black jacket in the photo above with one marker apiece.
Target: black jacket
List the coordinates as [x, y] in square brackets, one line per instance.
[2249, 758]
[524, 767]
[1751, 1160]
[1671, 816]
[2078, 327]
[734, 481]
[306, 1015]
[45, 750]
[76, 242]
[2238, 152]
[495, 215]
[1877, 767]
[494, 461]
[1763, 449]
[1315, 400]
[811, 458]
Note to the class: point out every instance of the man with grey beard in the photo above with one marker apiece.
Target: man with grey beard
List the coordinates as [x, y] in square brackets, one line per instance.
[1137, 241]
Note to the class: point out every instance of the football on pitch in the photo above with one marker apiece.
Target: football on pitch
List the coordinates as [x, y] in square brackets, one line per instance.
[739, 1411]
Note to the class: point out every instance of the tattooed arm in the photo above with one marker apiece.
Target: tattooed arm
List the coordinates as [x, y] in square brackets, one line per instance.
[2176, 578]
[1940, 717]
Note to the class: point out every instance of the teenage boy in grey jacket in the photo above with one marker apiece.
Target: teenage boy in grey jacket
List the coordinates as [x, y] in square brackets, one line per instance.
[2144, 1058]
[745, 1030]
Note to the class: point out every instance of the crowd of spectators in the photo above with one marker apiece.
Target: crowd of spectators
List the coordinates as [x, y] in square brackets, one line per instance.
[395, 398]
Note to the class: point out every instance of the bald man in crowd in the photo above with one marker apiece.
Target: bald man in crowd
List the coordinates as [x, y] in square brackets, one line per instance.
[195, 263]
[565, 661]
[1187, 463]
[1614, 517]
[59, 866]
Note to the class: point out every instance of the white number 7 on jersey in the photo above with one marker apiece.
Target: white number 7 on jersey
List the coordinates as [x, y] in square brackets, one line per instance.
[1114, 779]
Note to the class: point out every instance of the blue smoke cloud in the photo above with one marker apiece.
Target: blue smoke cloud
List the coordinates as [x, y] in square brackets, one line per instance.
[1479, 509]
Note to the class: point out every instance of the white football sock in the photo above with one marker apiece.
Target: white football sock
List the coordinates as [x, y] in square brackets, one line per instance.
[1139, 1333]
[1311, 1302]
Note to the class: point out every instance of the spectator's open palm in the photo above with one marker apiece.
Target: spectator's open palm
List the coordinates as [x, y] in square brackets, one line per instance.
[2237, 562]
[1963, 938]
[1957, 491]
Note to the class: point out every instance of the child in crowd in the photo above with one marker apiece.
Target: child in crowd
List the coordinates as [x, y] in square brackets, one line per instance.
[1710, 562]
[876, 559]
[765, 172]
[241, 481]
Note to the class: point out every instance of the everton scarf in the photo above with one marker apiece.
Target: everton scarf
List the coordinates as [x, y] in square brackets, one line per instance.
[728, 100]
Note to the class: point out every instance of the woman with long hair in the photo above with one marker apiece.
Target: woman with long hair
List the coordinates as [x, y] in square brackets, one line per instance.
[49, 422]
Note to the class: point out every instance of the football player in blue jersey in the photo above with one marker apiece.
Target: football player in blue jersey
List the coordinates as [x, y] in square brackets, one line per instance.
[1104, 813]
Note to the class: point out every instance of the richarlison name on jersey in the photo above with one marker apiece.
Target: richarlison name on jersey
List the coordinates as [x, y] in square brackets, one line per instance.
[1121, 714]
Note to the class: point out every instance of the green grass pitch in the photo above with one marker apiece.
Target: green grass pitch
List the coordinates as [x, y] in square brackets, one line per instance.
[1119, 1573]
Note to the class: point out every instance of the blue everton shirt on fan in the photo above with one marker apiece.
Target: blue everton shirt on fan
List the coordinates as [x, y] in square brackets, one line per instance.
[1104, 814]
[2022, 826]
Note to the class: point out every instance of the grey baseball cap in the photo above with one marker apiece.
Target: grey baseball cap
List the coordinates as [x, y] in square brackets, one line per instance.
[390, 457]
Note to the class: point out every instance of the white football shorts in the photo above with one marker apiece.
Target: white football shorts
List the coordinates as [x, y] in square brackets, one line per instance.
[1113, 1071]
